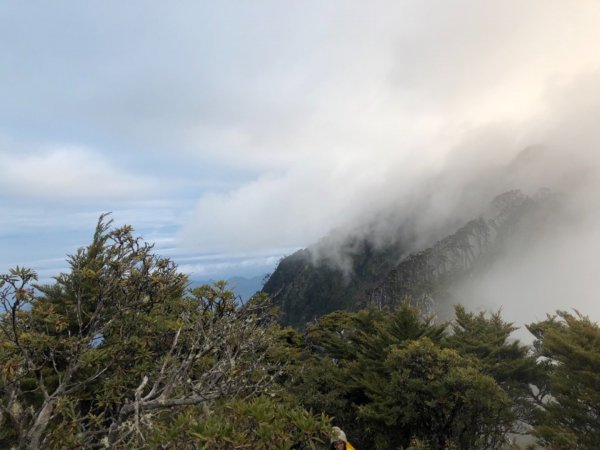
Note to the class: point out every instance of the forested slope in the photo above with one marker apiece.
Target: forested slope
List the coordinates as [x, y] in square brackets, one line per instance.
[118, 353]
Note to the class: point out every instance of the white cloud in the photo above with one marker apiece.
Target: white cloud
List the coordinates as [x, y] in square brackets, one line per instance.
[389, 94]
[285, 121]
[70, 173]
[294, 208]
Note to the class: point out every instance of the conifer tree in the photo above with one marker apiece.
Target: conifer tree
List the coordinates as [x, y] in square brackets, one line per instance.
[439, 397]
[570, 414]
[385, 376]
[507, 360]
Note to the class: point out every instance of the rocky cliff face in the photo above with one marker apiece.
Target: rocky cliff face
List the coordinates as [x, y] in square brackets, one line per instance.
[307, 284]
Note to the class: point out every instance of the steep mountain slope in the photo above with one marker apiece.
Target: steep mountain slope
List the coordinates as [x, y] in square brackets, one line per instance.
[308, 284]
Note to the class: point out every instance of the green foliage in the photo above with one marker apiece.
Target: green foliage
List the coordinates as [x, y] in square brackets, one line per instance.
[510, 363]
[116, 348]
[349, 350]
[439, 396]
[385, 378]
[259, 423]
[570, 417]
[117, 353]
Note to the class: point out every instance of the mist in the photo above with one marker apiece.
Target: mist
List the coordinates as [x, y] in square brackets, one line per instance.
[414, 117]
[556, 266]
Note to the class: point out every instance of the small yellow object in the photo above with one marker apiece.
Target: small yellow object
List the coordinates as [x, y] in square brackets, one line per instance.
[349, 446]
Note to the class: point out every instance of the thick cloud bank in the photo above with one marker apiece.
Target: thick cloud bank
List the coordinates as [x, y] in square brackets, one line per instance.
[244, 127]
[418, 115]
[391, 100]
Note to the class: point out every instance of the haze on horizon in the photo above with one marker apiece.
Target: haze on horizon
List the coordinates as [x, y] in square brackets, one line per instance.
[232, 133]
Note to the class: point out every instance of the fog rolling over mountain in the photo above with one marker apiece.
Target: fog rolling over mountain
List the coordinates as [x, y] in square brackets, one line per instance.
[550, 261]
[434, 278]
[529, 251]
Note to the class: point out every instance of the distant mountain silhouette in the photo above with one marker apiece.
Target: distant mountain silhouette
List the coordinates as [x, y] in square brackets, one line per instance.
[241, 286]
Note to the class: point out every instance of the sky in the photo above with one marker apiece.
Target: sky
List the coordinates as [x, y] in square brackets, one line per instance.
[232, 133]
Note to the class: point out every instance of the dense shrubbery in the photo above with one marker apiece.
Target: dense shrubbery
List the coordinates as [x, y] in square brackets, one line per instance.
[117, 353]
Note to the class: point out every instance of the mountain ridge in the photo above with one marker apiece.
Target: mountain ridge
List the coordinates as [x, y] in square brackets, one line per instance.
[307, 284]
